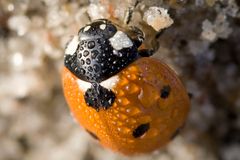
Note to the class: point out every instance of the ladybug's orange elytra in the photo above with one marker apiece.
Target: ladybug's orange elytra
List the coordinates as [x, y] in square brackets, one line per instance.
[150, 106]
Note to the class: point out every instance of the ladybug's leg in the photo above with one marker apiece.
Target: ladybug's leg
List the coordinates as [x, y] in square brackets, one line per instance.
[137, 36]
[160, 33]
[150, 52]
[145, 52]
[128, 16]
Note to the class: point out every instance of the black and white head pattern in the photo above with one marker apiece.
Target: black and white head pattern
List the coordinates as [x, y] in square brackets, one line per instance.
[99, 51]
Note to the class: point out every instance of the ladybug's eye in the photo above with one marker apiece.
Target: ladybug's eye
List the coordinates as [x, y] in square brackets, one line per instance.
[111, 29]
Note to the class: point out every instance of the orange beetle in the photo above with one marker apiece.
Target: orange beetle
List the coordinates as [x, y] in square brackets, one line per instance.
[128, 101]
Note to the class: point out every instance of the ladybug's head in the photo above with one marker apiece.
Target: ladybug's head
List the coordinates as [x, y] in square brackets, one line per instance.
[99, 51]
[101, 28]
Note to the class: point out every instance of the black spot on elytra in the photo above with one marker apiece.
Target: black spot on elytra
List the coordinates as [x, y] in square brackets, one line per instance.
[93, 135]
[165, 91]
[99, 97]
[140, 130]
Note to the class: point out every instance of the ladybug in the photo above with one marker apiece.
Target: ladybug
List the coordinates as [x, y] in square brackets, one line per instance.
[128, 101]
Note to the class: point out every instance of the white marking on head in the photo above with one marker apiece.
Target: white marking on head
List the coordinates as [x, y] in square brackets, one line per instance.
[119, 54]
[120, 40]
[83, 85]
[102, 26]
[110, 82]
[86, 28]
[72, 46]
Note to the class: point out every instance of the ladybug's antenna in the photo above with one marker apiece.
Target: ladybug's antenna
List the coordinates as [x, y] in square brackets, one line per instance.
[129, 13]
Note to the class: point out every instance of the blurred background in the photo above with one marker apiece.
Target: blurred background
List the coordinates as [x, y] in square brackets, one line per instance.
[201, 43]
